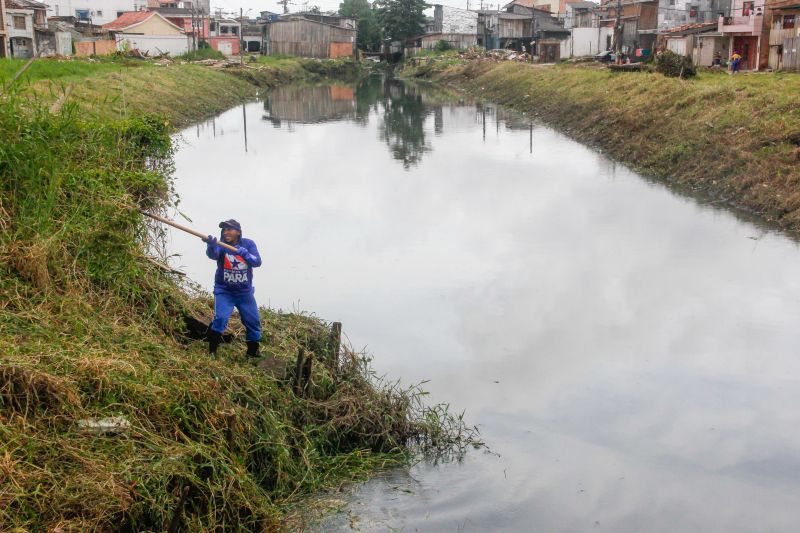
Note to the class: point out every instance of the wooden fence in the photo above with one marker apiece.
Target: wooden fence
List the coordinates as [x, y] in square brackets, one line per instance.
[791, 57]
[97, 48]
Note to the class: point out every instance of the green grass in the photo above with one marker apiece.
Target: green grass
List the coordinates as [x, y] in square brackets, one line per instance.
[57, 69]
[90, 328]
[182, 93]
[202, 53]
[733, 138]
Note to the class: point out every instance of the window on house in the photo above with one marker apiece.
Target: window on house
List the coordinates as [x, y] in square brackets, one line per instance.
[747, 8]
[82, 14]
[212, 26]
[788, 22]
[19, 22]
[223, 29]
[235, 30]
[99, 13]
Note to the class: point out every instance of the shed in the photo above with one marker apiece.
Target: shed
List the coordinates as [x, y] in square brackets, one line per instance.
[149, 32]
[301, 36]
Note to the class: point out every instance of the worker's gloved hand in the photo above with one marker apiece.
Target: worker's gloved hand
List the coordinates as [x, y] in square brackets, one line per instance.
[211, 240]
[244, 252]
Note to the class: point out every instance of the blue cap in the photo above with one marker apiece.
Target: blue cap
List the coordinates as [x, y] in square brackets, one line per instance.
[232, 224]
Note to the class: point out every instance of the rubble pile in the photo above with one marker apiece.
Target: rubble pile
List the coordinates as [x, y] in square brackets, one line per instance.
[477, 53]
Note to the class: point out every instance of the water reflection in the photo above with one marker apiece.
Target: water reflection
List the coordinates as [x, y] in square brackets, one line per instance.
[403, 126]
[401, 109]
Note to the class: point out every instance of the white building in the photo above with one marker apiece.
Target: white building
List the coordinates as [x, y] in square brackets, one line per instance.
[99, 12]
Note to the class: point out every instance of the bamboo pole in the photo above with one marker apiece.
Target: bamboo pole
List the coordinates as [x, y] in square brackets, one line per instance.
[184, 228]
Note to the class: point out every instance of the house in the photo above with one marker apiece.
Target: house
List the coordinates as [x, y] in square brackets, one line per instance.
[747, 30]
[87, 39]
[784, 35]
[553, 7]
[93, 11]
[521, 28]
[24, 18]
[458, 27]
[701, 41]
[198, 6]
[639, 20]
[580, 15]
[149, 32]
[224, 35]
[587, 37]
[501, 29]
[191, 20]
[253, 35]
[311, 36]
[4, 52]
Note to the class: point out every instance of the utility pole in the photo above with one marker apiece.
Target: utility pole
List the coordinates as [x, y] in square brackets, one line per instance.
[618, 34]
[194, 29]
[533, 29]
[241, 36]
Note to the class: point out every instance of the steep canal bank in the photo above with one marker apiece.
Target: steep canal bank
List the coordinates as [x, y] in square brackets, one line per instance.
[180, 92]
[733, 139]
[112, 415]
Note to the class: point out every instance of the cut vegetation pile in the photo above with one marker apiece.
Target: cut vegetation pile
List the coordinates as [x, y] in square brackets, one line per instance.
[111, 417]
[735, 139]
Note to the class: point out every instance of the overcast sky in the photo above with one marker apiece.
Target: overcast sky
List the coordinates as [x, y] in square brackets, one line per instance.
[325, 5]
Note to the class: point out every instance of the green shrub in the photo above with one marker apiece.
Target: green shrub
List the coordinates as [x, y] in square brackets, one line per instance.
[675, 65]
[203, 52]
[443, 46]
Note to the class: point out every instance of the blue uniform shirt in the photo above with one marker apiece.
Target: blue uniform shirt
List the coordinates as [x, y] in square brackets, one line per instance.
[234, 271]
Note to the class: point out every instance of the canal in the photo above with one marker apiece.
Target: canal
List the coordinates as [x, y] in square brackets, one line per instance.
[630, 355]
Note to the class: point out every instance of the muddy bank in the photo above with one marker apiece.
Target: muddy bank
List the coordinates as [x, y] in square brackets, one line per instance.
[732, 140]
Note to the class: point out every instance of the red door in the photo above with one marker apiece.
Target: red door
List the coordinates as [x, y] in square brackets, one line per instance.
[747, 47]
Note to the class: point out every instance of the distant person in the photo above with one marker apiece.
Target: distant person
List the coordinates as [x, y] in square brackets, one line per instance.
[736, 62]
[717, 62]
[233, 286]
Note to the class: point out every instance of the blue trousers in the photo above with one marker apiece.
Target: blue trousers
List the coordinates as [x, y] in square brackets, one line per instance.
[248, 309]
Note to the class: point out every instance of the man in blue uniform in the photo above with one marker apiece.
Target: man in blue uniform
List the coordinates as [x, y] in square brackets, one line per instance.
[233, 286]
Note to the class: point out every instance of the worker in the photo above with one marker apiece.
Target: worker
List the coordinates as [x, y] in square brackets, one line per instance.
[233, 286]
[736, 61]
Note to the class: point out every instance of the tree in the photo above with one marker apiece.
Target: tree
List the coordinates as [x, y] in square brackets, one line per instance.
[401, 19]
[369, 33]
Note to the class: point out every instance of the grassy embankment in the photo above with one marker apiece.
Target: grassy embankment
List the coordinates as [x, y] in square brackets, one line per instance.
[91, 329]
[180, 92]
[733, 139]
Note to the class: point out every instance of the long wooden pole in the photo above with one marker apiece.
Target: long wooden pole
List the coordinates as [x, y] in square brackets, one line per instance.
[184, 228]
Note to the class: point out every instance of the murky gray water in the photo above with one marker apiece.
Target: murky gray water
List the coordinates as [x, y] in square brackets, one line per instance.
[630, 354]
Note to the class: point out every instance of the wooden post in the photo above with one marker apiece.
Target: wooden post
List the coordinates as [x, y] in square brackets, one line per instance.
[298, 371]
[307, 373]
[334, 342]
[230, 426]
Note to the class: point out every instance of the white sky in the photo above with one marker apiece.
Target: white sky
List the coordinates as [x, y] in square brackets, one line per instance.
[324, 5]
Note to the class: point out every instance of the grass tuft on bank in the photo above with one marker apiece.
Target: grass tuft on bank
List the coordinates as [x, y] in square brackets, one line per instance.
[94, 332]
[734, 139]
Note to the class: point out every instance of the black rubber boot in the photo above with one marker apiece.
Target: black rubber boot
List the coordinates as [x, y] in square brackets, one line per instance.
[252, 348]
[214, 339]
